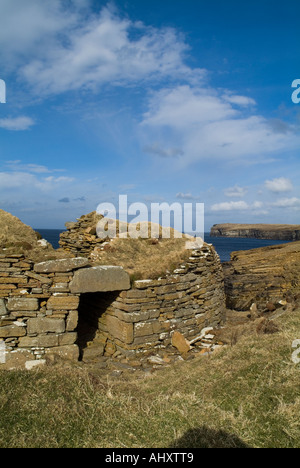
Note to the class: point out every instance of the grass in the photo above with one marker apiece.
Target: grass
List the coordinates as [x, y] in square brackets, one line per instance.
[145, 258]
[246, 395]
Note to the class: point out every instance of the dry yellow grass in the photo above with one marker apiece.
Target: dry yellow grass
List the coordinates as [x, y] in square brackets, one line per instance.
[145, 258]
[243, 395]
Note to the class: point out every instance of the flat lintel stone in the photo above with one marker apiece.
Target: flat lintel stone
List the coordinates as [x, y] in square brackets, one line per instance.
[63, 265]
[100, 279]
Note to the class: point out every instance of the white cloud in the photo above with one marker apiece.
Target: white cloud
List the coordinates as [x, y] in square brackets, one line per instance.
[17, 123]
[230, 206]
[243, 101]
[293, 202]
[255, 207]
[206, 126]
[236, 192]
[18, 166]
[22, 180]
[31, 26]
[107, 49]
[279, 185]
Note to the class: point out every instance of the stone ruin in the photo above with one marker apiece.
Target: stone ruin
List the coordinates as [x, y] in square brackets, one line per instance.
[46, 308]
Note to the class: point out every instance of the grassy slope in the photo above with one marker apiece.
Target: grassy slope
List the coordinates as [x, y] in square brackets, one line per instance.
[244, 395]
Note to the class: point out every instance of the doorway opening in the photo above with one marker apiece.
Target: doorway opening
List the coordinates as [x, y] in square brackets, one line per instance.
[92, 337]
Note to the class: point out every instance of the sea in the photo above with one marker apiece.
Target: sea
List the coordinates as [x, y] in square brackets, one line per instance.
[223, 245]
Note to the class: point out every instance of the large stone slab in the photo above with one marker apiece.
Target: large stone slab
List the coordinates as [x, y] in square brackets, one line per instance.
[45, 325]
[100, 279]
[22, 304]
[61, 266]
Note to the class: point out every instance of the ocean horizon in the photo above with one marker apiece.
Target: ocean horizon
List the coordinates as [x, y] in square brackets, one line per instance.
[223, 245]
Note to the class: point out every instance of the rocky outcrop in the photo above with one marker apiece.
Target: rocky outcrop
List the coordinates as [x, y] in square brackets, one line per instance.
[257, 231]
[265, 276]
[81, 238]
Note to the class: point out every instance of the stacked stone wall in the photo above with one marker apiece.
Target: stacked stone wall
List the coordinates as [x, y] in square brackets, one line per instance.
[40, 306]
[143, 319]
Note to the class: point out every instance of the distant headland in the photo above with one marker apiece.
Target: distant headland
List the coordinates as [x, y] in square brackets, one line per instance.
[289, 232]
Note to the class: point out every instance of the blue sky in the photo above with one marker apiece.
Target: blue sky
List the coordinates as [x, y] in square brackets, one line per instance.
[164, 101]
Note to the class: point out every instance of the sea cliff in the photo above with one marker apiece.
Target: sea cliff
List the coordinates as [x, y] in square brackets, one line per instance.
[289, 232]
[263, 276]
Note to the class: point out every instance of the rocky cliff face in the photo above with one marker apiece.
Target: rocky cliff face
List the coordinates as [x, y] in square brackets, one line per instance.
[257, 231]
[263, 276]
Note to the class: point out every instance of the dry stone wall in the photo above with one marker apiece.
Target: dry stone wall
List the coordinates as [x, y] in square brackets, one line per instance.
[143, 319]
[40, 306]
[38, 314]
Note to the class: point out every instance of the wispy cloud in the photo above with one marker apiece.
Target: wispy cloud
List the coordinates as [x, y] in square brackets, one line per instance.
[256, 206]
[207, 125]
[282, 184]
[106, 49]
[185, 196]
[236, 192]
[293, 202]
[17, 123]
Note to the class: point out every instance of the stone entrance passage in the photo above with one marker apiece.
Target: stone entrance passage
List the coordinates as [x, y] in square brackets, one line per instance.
[98, 287]
[92, 334]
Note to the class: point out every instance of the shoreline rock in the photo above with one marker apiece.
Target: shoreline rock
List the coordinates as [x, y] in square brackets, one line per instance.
[257, 231]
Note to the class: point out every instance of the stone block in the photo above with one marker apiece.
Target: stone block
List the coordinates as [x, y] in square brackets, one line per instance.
[45, 325]
[100, 279]
[69, 352]
[143, 329]
[72, 321]
[22, 303]
[180, 342]
[63, 303]
[41, 341]
[12, 331]
[67, 339]
[3, 309]
[62, 265]
[119, 329]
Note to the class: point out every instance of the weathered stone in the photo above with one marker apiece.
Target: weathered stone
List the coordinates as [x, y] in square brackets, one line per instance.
[118, 329]
[39, 278]
[67, 339]
[61, 265]
[100, 278]
[72, 321]
[63, 303]
[41, 341]
[16, 359]
[180, 342]
[22, 303]
[70, 352]
[3, 309]
[10, 331]
[29, 365]
[143, 329]
[45, 325]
